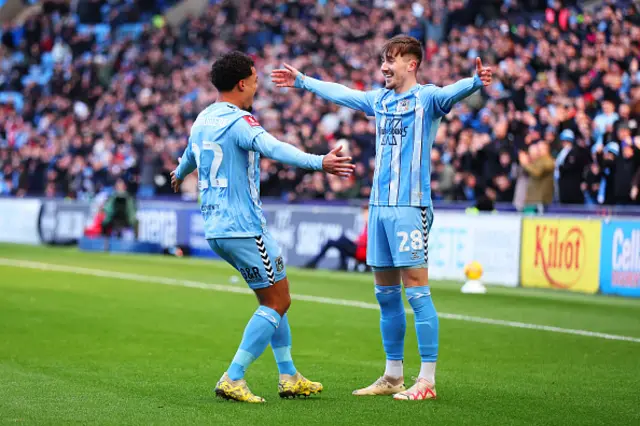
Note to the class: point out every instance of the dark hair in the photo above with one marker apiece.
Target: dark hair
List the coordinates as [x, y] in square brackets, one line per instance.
[484, 204]
[229, 69]
[403, 45]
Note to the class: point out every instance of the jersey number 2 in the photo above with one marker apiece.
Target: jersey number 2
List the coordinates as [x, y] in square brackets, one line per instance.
[216, 161]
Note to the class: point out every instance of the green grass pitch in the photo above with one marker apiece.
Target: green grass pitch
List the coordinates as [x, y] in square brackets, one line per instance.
[87, 347]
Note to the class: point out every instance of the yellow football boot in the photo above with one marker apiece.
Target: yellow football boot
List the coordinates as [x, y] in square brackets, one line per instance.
[236, 390]
[297, 385]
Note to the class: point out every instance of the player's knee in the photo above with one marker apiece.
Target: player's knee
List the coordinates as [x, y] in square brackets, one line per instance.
[276, 296]
[415, 282]
[282, 304]
[279, 303]
[417, 277]
[285, 302]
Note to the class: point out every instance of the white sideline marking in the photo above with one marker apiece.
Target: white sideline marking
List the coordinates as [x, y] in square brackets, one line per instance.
[324, 300]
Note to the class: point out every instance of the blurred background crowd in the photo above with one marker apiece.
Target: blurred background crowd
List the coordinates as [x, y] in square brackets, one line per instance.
[102, 90]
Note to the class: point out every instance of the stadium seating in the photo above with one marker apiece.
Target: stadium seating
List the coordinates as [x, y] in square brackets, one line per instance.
[136, 85]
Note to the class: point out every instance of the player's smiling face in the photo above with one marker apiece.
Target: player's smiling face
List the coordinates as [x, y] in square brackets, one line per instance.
[395, 68]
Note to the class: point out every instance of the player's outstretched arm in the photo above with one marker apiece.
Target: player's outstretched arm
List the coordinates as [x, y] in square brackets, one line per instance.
[333, 92]
[187, 166]
[272, 148]
[448, 96]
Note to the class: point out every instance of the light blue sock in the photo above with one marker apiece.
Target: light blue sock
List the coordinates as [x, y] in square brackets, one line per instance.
[393, 321]
[281, 345]
[255, 340]
[426, 322]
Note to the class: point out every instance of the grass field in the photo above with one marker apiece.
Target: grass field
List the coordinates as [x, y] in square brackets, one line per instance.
[98, 339]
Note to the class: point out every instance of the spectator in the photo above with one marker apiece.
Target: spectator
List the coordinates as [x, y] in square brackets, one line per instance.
[570, 167]
[501, 190]
[591, 185]
[84, 105]
[603, 123]
[540, 167]
[484, 204]
[442, 178]
[635, 188]
[607, 160]
[626, 166]
[469, 189]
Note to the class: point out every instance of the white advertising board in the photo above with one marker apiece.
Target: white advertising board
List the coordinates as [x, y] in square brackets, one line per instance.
[19, 221]
[491, 239]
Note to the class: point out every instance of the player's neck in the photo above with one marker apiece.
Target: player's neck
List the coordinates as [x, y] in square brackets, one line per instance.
[408, 85]
[230, 99]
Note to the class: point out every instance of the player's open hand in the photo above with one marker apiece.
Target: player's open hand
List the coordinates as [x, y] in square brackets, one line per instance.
[284, 77]
[483, 72]
[175, 182]
[340, 166]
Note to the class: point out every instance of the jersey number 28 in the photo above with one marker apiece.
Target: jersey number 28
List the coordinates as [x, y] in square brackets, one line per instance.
[211, 153]
[416, 240]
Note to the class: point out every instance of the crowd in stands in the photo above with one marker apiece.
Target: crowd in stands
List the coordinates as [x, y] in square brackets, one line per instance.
[87, 98]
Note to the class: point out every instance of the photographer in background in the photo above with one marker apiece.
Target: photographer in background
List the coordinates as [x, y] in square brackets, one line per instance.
[347, 248]
[119, 212]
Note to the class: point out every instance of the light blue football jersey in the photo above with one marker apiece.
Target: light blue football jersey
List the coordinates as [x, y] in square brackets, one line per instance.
[225, 146]
[406, 126]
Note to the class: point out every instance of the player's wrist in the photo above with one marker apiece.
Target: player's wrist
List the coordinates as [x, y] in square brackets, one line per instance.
[299, 81]
[320, 166]
[477, 82]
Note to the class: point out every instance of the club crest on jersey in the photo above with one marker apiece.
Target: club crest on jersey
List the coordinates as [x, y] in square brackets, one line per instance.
[279, 264]
[253, 122]
[403, 105]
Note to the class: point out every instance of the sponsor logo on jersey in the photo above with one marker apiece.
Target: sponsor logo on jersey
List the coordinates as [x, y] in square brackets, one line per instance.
[253, 122]
[393, 132]
[251, 275]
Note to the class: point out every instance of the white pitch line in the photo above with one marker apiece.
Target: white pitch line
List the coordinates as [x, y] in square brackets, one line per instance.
[26, 264]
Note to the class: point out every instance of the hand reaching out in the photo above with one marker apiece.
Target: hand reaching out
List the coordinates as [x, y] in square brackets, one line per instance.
[340, 166]
[285, 77]
[175, 182]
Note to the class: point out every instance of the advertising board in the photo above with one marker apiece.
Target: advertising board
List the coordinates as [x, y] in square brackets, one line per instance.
[620, 256]
[561, 254]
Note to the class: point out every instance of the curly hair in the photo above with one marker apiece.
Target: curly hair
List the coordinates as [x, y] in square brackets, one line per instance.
[229, 69]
